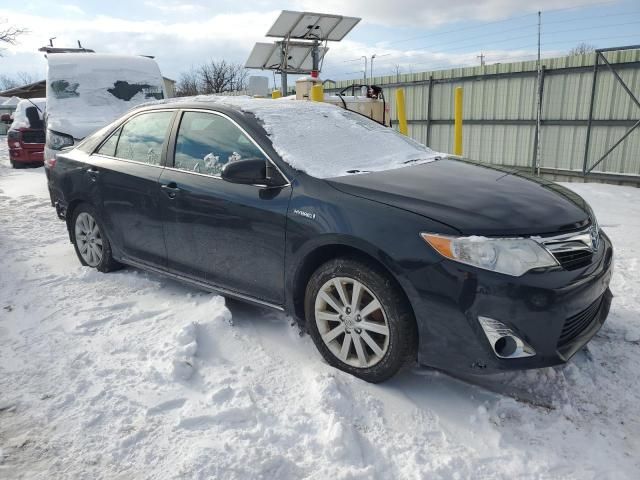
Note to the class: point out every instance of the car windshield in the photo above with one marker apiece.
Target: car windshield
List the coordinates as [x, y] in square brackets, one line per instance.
[327, 141]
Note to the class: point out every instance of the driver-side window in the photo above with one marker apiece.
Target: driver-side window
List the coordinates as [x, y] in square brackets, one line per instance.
[206, 142]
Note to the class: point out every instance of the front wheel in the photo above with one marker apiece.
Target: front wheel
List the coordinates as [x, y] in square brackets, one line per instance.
[359, 320]
[91, 244]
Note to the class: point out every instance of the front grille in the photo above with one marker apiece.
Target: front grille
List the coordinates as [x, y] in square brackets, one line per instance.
[574, 326]
[33, 136]
[573, 259]
[575, 249]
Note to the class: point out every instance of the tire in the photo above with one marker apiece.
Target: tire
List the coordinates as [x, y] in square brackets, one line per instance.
[90, 240]
[336, 327]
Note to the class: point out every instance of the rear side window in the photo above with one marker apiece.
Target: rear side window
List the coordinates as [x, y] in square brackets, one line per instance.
[109, 147]
[206, 142]
[142, 137]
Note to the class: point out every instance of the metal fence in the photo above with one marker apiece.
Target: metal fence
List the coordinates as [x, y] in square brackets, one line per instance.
[581, 105]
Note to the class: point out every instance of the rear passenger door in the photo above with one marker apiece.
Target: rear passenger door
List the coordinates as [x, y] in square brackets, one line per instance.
[229, 235]
[127, 167]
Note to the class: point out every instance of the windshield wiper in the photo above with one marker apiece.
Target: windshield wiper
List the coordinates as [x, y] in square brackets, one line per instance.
[421, 159]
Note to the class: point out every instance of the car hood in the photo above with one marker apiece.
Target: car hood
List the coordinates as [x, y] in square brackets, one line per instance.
[474, 198]
[77, 129]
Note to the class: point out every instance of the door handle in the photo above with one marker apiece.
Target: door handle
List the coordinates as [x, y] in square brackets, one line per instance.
[93, 173]
[171, 189]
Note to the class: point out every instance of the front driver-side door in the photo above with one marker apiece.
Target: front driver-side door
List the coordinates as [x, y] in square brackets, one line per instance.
[229, 235]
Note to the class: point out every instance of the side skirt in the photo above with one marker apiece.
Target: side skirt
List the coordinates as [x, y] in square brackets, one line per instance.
[200, 284]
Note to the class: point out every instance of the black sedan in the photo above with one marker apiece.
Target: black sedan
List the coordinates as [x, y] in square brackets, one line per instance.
[385, 251]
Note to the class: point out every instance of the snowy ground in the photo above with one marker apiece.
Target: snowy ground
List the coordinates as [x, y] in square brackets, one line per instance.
[129, 375]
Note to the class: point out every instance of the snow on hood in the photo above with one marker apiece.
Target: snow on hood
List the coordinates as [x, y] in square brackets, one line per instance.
[327, 141]
[20, 119]
[86, 91]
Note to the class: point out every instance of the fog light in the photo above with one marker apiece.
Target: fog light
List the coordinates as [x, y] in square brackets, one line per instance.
[504, 342]
[505, 346]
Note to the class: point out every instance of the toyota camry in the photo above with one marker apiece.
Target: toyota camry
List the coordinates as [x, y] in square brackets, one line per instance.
[385, 251]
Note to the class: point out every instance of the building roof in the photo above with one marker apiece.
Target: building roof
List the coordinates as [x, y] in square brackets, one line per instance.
[31, 90]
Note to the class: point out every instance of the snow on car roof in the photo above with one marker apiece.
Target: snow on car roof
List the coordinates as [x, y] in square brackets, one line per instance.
[326, 141]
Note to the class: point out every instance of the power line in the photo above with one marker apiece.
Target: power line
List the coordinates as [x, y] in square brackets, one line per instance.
[510, 19]
[446, 49]
[405, 58]
[474, 43]
[510, 59]
[578, 19]
[473, 27]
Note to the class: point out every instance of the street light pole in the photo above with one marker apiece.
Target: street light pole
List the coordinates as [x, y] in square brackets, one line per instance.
[371, 67]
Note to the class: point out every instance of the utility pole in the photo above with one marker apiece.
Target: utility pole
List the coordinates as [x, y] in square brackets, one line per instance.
[539, 99]
[481, 57]
[364, 78]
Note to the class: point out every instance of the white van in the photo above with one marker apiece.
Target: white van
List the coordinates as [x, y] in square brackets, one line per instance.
[86, 91]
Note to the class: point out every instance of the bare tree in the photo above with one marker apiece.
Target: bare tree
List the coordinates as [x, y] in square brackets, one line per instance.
[188, 84]
[20, 78]
[215, 76]
[398, 69]
[582, 48]
[10, 35]
[6, 82]
[25, 78]
[239, 77]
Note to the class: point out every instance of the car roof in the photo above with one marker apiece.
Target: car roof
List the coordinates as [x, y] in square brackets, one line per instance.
[238, 104]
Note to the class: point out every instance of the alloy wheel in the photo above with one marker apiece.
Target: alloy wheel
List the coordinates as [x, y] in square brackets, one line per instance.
[352, 322]
[88, 239]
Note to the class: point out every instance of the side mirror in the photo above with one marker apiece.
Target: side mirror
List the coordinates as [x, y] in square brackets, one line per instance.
[252, 171]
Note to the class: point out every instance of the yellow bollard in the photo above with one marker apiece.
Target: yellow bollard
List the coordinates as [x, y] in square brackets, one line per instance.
[457, 124]
[276, 94]
[317, 93]
[402, 112]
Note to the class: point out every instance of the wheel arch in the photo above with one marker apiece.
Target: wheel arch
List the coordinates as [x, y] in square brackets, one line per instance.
[321, 254]
[71, 208]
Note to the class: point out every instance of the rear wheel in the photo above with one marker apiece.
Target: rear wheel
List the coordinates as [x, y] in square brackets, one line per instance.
[91, 244]
[358, 319]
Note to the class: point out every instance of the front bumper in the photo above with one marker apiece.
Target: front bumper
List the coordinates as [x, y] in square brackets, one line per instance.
[555, 312]
[26, 155]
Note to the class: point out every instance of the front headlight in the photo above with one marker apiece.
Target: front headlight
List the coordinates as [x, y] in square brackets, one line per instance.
[58, 141]
[511, 256]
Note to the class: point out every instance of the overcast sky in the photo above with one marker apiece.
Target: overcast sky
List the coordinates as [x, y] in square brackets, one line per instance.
[416, 35]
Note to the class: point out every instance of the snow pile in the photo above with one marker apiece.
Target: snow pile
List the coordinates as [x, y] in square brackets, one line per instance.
[318, 138]
[20, 119]
[89, 386]
[184, 363]
[86, 91]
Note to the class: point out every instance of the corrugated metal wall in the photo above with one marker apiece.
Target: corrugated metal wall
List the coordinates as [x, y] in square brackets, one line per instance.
[500, 111]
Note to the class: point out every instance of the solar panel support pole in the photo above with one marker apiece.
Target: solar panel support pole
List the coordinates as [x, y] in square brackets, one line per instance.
[315, 56]
[283, 66]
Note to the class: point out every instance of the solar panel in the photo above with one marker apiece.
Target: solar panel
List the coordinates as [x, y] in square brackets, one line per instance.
[268, 56]
[260, 54]
[312, 26]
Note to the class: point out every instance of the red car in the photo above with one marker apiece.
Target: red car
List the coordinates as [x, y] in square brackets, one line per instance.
[26, 135]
